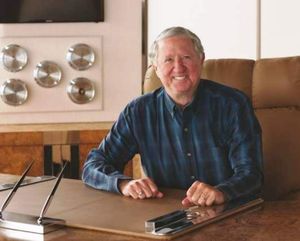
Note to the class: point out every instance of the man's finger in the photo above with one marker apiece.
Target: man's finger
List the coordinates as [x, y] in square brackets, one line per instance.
[192, 189]
[186, 202]
[145, 188]
[154, 189]
[210, 199]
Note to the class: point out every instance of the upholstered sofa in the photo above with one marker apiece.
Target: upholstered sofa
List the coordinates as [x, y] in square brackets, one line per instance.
[273, 85]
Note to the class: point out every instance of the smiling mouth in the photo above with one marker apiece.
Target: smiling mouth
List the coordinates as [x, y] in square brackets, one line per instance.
[179, 77]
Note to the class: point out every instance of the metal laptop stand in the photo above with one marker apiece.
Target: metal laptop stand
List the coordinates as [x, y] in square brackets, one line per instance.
[29, 223]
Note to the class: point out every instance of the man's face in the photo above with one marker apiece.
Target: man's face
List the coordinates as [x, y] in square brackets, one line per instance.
[179, 67]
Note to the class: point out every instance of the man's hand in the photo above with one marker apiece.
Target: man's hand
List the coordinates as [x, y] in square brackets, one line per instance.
[203, 194]
[139, 188]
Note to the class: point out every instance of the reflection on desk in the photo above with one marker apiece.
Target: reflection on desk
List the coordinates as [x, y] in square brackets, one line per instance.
[184, 220]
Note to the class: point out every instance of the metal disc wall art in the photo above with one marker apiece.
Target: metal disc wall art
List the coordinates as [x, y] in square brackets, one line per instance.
[80, 56]
[13, 58]
[81, 90]
[47, 74]
[14, 92]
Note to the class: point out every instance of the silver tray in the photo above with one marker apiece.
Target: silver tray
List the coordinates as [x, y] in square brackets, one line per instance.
[80, 56]
[14, 92]
[13, 58]
[47, 74]
[81, 90]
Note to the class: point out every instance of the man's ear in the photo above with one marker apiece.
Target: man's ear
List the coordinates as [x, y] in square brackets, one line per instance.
[202, 57]
[154, 66]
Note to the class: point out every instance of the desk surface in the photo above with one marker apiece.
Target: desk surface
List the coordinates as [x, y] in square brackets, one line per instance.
[278, 220]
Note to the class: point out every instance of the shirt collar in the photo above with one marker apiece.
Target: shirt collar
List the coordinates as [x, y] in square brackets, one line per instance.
[171, 105]
[194, 105]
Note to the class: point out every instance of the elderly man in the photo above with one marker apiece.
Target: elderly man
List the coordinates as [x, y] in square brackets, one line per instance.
[192, 134]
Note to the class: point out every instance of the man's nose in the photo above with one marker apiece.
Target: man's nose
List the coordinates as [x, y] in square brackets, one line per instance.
[178, 64]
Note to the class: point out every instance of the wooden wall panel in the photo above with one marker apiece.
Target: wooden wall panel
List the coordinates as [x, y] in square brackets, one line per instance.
[21, 138]
[92, 136]
[17, 149]
[14, 159]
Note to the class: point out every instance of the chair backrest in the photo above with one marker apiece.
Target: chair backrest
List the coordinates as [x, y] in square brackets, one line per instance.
[276, 99]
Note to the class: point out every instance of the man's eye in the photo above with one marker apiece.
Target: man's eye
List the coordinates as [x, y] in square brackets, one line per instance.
[168, 60]
[186, 57]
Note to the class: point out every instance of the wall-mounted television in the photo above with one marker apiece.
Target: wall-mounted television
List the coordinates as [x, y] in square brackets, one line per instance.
[44, 11]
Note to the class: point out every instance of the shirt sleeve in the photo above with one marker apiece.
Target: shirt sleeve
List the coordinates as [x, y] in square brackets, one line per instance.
[104, 165]
[244, 153]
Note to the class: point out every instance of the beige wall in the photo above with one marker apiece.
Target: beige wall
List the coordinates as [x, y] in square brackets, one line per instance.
[117, 71]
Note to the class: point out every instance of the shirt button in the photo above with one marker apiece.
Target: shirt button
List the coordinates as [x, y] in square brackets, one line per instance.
[186, 129]
[189, 154]
[192, 177]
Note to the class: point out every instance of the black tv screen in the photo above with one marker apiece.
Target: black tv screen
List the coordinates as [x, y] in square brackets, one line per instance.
[39, 11]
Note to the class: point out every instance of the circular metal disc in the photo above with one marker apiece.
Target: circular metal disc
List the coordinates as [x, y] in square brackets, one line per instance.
[80, 56]
[47, 74]
[81, 90]
[14, 92]
[13, 58]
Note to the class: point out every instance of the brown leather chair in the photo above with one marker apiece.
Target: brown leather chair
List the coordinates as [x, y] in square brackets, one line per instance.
[273, 85]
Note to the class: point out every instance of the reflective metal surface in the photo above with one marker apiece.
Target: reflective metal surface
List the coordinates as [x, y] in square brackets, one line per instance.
[27, 181]
[196, 216]
[81, 90]
[14, 92]
[13, 58]
[47, 74]
[28, 223]
[80, 56]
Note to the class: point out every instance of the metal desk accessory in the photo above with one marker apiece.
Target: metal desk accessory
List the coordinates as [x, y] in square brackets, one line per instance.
[182, 221]
[29, 223]
[26, 182]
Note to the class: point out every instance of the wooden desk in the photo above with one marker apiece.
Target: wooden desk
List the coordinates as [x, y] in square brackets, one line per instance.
[278, 220]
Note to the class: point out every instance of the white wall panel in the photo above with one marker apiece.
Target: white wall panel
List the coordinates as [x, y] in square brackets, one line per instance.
[226, 28]
[118, 66]
[280, 34]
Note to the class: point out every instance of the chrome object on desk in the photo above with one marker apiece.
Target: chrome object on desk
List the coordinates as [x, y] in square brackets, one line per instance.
[50, 196]
[81, 90]
[80, 56]
[13, 58]
[26, 181]
[14, 92]
[194, 217]
[29, 223]
[47, 74]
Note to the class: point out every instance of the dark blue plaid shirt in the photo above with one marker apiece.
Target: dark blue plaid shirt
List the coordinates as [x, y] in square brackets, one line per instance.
[216, 140]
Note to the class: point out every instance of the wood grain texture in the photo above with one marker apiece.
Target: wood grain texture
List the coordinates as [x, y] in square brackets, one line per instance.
[14, 159]
[21, 139]
[92, 136]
